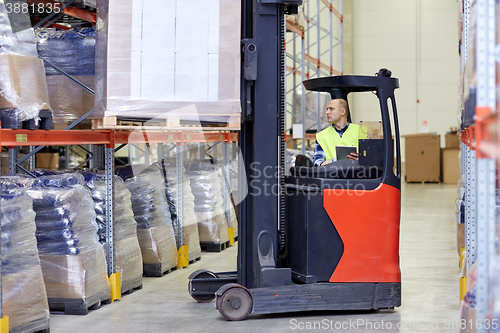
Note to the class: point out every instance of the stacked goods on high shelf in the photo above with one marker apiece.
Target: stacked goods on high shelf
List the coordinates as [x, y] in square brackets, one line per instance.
[24, 298]
[212, 224]
[23, 90]
[128, 257]
[72, 51]
[201, 61]
[154, 223]
[189, 221]
[73, 263]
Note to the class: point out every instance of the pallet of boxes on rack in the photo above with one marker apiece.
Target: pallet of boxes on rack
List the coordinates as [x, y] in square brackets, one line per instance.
[154, 223]
[72, 259]
[24, 298]
[174, 75]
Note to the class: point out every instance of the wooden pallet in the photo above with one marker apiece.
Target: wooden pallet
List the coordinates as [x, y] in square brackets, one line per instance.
[74, 306]
[171, 124]
[156, 270]
[213, 247]
[194, 260]
[131, 285]
[423, 181]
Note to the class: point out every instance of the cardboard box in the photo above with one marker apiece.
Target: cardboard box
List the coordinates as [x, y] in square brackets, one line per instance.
[460, 237]
[68, 100]
[25, 300]
[23, 85]
[423, 157]
[212, 228]
[452, 140]
[82, 276]
[158, 245]
[49, 161]
[128, 261]
[451, 167]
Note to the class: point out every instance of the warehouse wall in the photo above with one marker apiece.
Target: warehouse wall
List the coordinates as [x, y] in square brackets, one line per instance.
[418, 41]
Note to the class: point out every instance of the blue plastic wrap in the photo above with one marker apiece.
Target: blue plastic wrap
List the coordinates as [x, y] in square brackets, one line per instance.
[65, 215]
[18, 228]
[73, 50]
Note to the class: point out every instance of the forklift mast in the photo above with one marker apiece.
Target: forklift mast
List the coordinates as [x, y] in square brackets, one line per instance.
[261, 138]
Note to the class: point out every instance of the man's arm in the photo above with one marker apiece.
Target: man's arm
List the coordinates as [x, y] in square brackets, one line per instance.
[319, 155]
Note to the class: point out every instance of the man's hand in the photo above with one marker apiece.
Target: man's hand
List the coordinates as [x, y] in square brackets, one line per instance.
[325, 163]
[353, 156]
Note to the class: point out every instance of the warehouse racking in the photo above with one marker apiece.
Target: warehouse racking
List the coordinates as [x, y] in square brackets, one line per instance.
[314, 48]
[480, 152]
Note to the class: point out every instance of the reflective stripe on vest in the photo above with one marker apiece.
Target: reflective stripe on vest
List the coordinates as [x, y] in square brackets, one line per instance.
[328, 139]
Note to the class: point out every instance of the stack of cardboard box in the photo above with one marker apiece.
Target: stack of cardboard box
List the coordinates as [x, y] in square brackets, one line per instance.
[450, 154]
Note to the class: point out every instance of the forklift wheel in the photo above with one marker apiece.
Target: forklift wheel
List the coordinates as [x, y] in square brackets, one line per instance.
[235, 304]
[204, 298]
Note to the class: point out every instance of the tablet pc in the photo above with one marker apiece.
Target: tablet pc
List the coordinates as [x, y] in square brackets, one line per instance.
[343, 151]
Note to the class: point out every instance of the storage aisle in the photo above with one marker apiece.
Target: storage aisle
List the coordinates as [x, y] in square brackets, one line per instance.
[430, 282]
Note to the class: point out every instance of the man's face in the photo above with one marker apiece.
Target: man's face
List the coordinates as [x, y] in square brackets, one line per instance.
[334, 112]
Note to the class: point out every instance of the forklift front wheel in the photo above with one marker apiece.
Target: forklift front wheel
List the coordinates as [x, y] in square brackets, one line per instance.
[202, 274]
[235, 304]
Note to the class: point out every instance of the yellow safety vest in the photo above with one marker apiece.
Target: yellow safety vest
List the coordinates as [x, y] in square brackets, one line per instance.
[329, 139]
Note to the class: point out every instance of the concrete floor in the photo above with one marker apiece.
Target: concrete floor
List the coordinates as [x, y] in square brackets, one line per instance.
[430, 286]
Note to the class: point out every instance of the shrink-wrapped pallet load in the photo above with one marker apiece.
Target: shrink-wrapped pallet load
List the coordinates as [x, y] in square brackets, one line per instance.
[128, 257]
[23, 89]
[154, 224]
[173, 70]
[189, 220]
[72, 51]
[225, 189]
[24, 299]
[73, 263]
[212, 224]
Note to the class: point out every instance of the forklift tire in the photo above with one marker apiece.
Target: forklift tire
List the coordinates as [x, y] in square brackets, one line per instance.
[235, 304]
[203, 298]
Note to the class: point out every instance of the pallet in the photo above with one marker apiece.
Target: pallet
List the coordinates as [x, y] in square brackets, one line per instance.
[131, 285]
[73, 306]
[170, 124]
[213, 247]
[156, 270]
[423, 181]
[41, 325]
[194, 260]
[9, 119]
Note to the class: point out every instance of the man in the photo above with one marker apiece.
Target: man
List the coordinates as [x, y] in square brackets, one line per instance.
[341, 133]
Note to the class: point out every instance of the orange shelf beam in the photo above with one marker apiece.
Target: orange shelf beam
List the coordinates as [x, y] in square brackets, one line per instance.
[308, 136]
[12, 138]
[333, 10]
[295, 28]
[317, 62]
[70, 11]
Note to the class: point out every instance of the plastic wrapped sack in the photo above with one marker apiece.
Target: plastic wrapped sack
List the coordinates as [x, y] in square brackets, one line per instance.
[128, 258]
[72, 259]
[204, 181]
[225, 193]
[23, 291]
[189, 220]
[155, 231]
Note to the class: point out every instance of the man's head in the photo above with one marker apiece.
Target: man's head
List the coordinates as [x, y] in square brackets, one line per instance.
[336, 112]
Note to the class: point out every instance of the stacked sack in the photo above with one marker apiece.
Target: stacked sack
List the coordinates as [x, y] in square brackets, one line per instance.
[24, 298]
[154, 223]
[226, 195]
[212, 225]
[128, 258]
[189, 220]
[73, 263]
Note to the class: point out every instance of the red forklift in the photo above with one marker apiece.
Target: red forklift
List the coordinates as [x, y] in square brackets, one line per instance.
[328, 239]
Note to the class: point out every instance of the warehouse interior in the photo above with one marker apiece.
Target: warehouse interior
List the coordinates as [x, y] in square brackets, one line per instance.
[149, 151]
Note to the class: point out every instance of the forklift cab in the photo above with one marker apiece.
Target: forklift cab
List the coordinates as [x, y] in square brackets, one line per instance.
[343, 218]
[338, 248]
